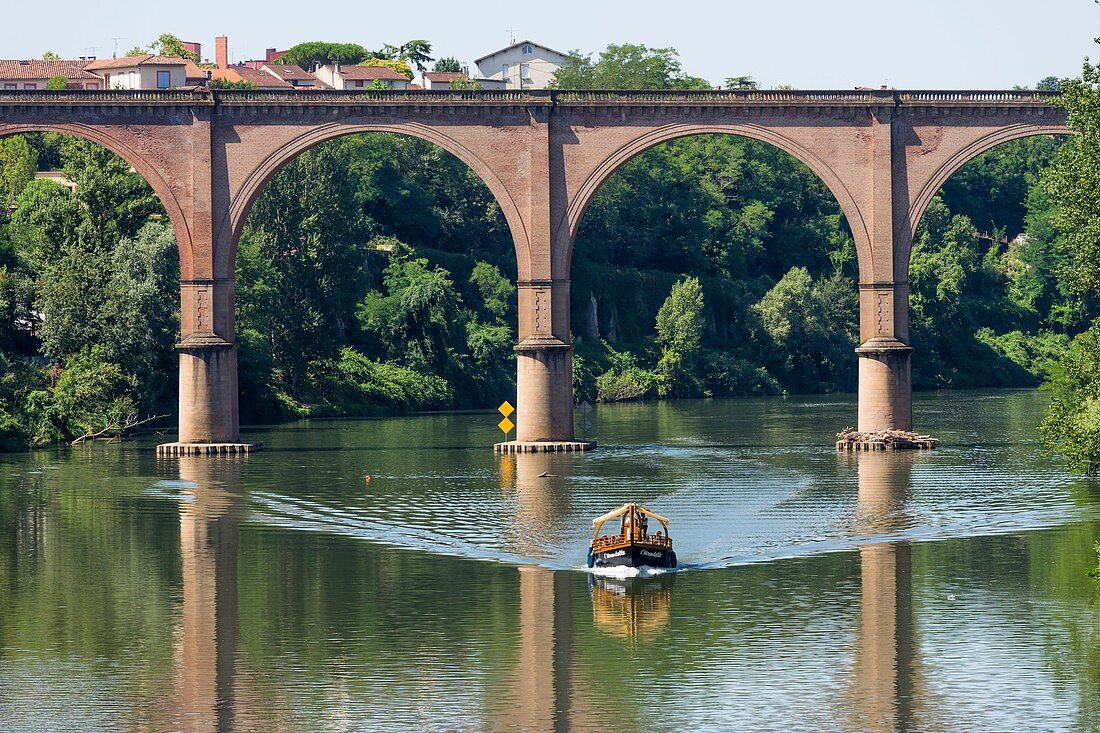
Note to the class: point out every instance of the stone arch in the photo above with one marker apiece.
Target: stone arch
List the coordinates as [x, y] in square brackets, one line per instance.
[586, 192]
[262, 174]
[148, 171]
[951, 166]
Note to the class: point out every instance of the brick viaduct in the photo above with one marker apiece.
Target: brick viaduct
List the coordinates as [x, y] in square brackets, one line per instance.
[543, 155]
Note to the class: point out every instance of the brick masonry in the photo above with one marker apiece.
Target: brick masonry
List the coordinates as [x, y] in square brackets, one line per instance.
[543, 155]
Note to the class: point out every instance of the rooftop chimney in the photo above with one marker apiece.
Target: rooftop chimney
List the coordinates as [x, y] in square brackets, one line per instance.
[221, 52]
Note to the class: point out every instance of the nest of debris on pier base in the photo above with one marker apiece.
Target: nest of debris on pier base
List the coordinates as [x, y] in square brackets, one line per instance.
[852, 439]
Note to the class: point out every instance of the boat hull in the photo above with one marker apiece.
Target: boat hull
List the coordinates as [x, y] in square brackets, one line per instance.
[633, 556]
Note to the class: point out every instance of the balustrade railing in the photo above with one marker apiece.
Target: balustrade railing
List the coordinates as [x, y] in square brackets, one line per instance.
[525, 97]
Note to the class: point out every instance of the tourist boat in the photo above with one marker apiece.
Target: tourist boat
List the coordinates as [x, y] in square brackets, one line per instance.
[633, 546]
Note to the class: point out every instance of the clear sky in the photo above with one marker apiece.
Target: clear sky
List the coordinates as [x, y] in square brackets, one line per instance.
[834, 44]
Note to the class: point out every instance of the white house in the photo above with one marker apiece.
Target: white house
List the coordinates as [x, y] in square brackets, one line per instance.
[351, 78]
[523, 65]
[141, 72]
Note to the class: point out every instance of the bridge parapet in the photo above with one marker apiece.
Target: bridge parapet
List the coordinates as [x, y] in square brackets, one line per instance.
[732, 97]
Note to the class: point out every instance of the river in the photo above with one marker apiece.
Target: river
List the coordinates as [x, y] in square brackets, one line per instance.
[283, 591]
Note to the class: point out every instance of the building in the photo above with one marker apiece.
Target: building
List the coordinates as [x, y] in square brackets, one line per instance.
[141, 72]
[296, 76]
[259, 79]
[271, 55]
[351, 78]
[441, 79]
[523, 65]
[36, 74]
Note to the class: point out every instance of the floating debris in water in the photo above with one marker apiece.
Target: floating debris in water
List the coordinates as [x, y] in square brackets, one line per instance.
[852, 439]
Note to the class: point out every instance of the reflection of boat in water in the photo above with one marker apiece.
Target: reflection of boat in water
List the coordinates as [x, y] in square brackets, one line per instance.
[633, 546]
[631, 607]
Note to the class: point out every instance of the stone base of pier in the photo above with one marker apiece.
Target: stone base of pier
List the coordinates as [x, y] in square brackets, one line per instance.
[175, 450]
[548, 446]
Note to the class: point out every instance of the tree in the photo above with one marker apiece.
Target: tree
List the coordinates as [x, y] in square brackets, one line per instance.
[18, 164]
[1049, 84]
[167, 44]
[680, 319]
[1071, 427]
[50, 56]
[416, 52]
[302, 261]
[395, 64]
[626, 66]
[447, 64]
[312, 54]
[741, 82]
[57, 83]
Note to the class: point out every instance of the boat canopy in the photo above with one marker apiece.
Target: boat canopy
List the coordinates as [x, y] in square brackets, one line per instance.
[625, 508]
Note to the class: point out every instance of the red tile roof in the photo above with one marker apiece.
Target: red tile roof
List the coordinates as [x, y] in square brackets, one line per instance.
[126, 62]
[444, 76]
[38, 69]
[261, 79]
[289, 71]
[371, 72]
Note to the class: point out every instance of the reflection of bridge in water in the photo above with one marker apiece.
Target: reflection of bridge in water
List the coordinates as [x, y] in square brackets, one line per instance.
[549, 689]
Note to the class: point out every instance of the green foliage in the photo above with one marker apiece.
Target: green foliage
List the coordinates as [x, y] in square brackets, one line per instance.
[497, 293]
[91, 393]
[447, 64]
[811, 326]
[1035, 353]
[229, 84]
[57, 83]
[467, 84]
[624, 379]
[398, 65]
[18, 164]
[741, 82]
[302, 261]
[50, 56]
[169, 45]
[626, 66]
[1072, 425]
[416, 52]
[1073, 181]
[320, 53]
[680, 319]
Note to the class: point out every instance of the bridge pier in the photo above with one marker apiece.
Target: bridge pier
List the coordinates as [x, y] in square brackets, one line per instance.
[885, 385]
[544, 372]
[209, 417]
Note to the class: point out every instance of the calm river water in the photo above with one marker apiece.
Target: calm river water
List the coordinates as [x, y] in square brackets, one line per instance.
[283, 592]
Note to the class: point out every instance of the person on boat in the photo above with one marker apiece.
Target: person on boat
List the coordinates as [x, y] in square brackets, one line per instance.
[643, 522]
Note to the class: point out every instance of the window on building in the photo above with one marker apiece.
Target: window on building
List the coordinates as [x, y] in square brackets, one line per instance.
[358, 82]
[525, 71]
[505, 71]
[164, 79]
[92, 85]
[11, 86]
[527, 50]
[30, 86]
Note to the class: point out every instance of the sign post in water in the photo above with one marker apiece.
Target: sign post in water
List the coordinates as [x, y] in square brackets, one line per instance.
[506, 425]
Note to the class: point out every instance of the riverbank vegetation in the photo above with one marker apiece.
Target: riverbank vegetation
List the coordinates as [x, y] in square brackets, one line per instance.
[375, 275]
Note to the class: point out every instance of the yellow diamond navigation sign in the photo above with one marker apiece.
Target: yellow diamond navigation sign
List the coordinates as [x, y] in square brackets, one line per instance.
[506, 425]
[506, 409]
